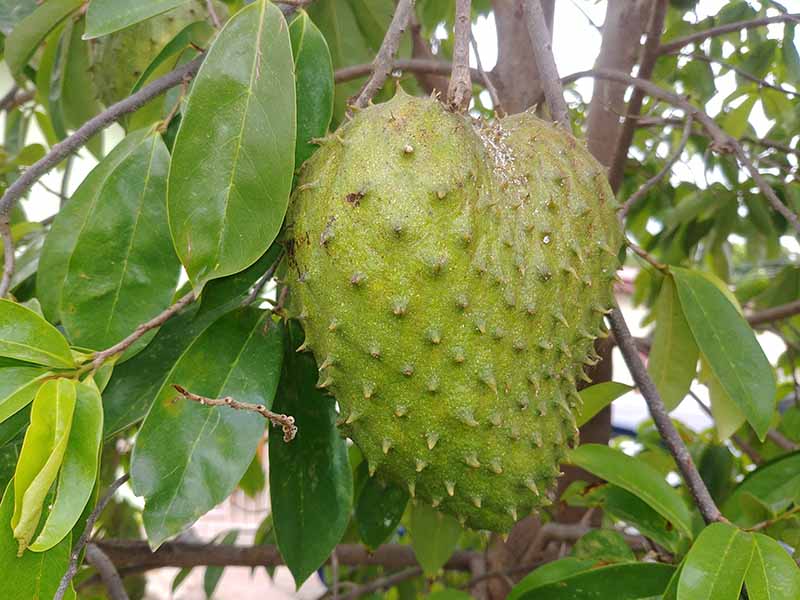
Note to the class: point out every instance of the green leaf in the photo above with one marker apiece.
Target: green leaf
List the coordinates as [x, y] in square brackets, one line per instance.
[35, 575]
[108, 16]
[189, 457]
[213, 574]
[79, 99]
[434, 536]
[42, 455]
[13, 11]
[735, 122]
[603, 545]
[313, 71]
[254, 479]
[638, 478]
[791, 59]
[235, 148]
[716, 564]
[698, 78]
[448, 594]
[311, 484]
[78, 470]
[729, 345]
[622, 505]
[776, 484]
[18, 387]
[550, 573]
[29, 33]
[379, 508]
[597, 397]
[631, 581]
[60, 241]
[773, 574]
[758, 60]
[727, 416]
[24, 335]
[122, 270]
[673, 354]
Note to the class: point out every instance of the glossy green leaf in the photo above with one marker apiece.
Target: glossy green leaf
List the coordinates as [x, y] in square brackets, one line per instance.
[776, 484]
[597, 397]
[108, 16]
[379, 508]
[729, 345]
[78, 470]
[49, 79]
[434, 536]
[29, 33]
[311, 484]
[60, 242]
[638, 478]
[79, 98]
[716, 564]
[603, 545]
[35, 575]
[773, 574]
[673, 355]
[213, 574]
[104, 300]
[18, 387]
[189, 457]
[313, 72]
[631, 581]
[233, 159]
[622, 505]
[42, 454]
[550, 573]
[26, 336]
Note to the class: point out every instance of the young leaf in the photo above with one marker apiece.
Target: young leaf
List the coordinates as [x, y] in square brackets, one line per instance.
[638, 478]
[29, 33]
[78, 470]
[235, 148]
[597, 397]
[313, 71]
[773, 574]
[122, 270]
[310, 481]
[379, 508]
[42, 454]
[108, 16]
[18, 387]
[550, 573]
[26, 336]
[728, 344]
[673, 355]
[189, 457]
[434, 536]
[716, 564]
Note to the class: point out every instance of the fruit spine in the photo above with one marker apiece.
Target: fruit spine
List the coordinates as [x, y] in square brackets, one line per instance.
[451, 280]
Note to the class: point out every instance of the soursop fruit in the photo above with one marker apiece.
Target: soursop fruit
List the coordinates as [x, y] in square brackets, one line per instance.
[451, 278]
[120, 58]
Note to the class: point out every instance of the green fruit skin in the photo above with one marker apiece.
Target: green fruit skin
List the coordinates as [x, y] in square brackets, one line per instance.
[451, 280]
[119, 59]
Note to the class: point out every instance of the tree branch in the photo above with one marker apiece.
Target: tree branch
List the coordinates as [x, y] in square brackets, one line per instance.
[776, 313]
[459, 92]
[415, 65]
[383, 583]
[701, 36]
[108, 573]
[8, 255]
[70, 144]
[761, 82]
[487, 82]
[382, 65]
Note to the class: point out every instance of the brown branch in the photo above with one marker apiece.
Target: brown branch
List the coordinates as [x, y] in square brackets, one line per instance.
[113, 113]
[701, 36]
[650, 183]
[459, 92]
[108, 573]
[14, 98]
[487, 82]
[140, 330]
[8, 255]
[72, 569]
[776, 313]
[780, 440]
[252, 296]
[543, 57]
[761, 82]
[383, 63]
[383, 583]
[767, 190]
[213, 14]
[285, 422]
[415, 65]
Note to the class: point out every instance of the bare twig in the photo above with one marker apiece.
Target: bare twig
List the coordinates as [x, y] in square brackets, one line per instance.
[701, 36]
[650, 183]
[143, 328]
[14, 98]
[384, 61]
[459, 92]
[767, 190]
[212, 12]
[72, 569]
[780, 440]
[285, 422]
[776, 313]
[761, 82]
[69, 145]
[63, 195]
[646, 255]
[415, 65]
[383, 583]
[252, 296]
[543, 56]
[737, 440]
[108, 573]
[487, 82]
[8, 255]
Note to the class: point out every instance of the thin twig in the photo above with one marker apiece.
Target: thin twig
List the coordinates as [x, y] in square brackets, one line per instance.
[252, 296]
[780, 440]
[543, 56]
[776, 313]
[384, 60]
[761, 82]
[767, 190]
[63, 196]
[140, 330]
[650, 183]
[459, 92]
[285, 422]
[108, 573]
[646, 255]
[14, 98]
[69, 145]
[8, 255]
[498, 109]
[414, 65]
[72, 569]
[213, 14]
[737, 440]
[383, 583]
